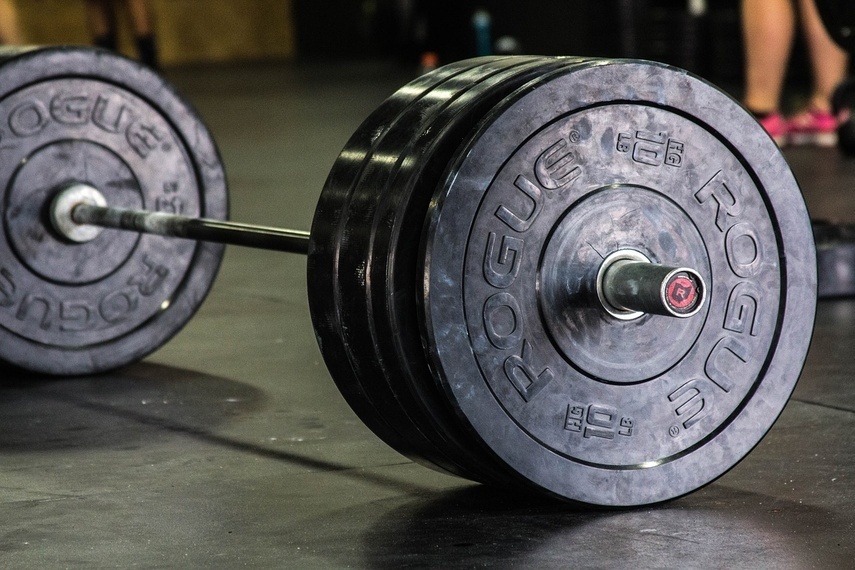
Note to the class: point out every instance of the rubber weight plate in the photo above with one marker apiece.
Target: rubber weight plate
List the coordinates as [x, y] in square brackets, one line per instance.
[592, 160]
[73, 115]
[381, 306]
[382, 140]
[323, 267]
[835, 259]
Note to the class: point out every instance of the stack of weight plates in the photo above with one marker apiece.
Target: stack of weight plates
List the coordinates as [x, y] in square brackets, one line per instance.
[453, 262]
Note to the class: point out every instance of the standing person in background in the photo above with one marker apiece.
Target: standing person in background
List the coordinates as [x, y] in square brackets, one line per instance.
[102, 23]
[10, 30]
[768, 30]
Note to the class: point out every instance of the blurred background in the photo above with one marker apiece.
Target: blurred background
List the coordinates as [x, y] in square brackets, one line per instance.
[230, 446]
[188, 31]
[698, 35]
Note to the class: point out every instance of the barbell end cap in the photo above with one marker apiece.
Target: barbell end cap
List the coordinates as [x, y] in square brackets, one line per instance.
[629, 286]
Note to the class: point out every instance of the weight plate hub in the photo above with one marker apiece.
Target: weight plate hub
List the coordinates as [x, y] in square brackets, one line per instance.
[72, 116]
[603, 222]
[590, 161]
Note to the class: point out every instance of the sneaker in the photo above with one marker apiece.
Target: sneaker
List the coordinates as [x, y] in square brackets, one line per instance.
[815, 127]
[776, 126]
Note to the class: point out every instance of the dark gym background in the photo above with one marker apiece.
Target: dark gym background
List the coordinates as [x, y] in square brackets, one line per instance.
[662, 30]
[231, 446]
[303, 30]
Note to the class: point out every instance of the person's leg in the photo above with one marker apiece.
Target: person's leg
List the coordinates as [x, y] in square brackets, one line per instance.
[767, 27]
[102, 23]
[828, 60]
[140, 17]
[141, 21]
[10, 31]
[816, 124]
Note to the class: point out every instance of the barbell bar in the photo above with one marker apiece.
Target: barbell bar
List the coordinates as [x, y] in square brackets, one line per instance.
[79, 212]
[628, 284]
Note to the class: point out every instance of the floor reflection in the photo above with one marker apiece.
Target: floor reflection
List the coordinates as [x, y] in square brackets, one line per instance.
[718, 527]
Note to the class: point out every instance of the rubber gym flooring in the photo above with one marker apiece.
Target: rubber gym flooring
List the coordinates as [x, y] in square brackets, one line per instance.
[232, 447]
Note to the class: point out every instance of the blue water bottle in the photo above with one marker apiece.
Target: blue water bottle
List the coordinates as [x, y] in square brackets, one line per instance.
[481, 24]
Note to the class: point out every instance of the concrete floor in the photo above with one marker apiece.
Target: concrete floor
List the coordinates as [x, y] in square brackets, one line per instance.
[231, 446]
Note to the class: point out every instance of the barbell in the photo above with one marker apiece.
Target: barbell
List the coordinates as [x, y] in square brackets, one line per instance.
[594, 278]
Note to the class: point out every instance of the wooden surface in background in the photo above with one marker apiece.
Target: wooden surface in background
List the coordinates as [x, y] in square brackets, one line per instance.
[188, 31]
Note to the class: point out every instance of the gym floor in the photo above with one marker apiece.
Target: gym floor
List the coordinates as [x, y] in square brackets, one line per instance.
[231, 445]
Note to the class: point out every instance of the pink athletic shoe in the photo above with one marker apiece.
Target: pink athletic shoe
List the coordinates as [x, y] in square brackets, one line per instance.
[813, 127]
[776, 126]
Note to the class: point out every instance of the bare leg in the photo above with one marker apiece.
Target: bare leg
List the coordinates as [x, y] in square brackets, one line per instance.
[10, 31]
[828, 60]
[140, 17]
[100, 17]
[768, 27]
[141, 21]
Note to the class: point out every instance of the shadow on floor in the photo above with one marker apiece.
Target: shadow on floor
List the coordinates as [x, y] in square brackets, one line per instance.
[122, 409]
[139, 406]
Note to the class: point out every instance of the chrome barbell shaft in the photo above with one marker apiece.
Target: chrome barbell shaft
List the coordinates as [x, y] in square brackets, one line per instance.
[219, 231]
[80, 208]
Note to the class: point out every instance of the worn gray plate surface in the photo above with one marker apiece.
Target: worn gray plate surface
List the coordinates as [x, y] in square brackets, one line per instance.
[590, 160]
[74, 115]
